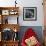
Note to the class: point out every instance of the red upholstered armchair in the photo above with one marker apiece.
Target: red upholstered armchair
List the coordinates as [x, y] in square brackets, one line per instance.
[30, 38]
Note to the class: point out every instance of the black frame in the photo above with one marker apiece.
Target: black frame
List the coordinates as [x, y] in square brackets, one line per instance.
[27, 11]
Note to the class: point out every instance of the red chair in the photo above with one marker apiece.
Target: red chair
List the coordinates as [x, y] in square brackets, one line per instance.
[29, 33]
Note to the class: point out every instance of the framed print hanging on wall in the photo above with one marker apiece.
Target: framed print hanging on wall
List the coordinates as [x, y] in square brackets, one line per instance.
[30, 13]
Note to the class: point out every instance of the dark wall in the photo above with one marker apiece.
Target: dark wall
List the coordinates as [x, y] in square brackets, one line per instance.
[37, 29]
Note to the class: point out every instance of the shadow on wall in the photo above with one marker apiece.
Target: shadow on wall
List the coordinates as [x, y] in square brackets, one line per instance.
[37, 29]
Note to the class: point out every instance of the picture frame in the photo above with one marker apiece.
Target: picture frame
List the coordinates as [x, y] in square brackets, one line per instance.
[29, 13]
[5, 12]
[13, 12]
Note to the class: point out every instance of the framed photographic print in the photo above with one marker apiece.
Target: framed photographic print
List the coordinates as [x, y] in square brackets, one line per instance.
[30, 13]
[13, 12]
[5, 12]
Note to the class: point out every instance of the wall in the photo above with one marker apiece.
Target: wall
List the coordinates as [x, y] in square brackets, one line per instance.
[34, 3]
[26, 3]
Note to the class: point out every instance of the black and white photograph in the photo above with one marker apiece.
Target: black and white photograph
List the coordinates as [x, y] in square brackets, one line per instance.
[30, 13]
